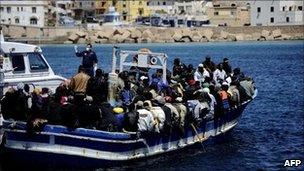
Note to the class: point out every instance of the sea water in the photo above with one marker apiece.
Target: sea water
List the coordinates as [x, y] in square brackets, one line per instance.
[271, 129]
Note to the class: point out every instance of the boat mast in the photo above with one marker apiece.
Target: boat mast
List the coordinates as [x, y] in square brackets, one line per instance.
[112, 79]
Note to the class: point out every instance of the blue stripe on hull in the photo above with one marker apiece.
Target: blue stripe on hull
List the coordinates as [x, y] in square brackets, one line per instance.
[97, 145]
[21, 136]
[152, 139]
[50, 161]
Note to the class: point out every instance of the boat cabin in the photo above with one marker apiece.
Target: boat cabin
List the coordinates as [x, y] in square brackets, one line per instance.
[24, 63]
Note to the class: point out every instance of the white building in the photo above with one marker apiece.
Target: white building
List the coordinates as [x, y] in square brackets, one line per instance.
[161, 6]
[276, 12]
[191, 7]
[23, 12]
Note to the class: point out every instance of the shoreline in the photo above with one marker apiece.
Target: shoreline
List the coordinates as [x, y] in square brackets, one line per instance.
[139, 35]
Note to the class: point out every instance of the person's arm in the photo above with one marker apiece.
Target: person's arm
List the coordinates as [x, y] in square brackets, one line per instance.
[79, 54]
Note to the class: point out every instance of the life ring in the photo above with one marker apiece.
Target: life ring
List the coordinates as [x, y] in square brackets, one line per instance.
[153, 60]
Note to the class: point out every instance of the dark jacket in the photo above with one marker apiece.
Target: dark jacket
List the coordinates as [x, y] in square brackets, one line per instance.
[88, 58]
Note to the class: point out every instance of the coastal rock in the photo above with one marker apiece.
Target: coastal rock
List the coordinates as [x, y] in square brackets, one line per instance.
[135, 33]
[224, 35]
[186, 32]
[265, 33]
[286, 37]
[277, 33]
[129, 40]
[103, 41]
[196, 36]
[147, 34]
[248, 37]
[82, 41]
[270, 38]
[185, 39]
[256, 36]
[204, 39]
[118, 31]
[145, 40]
[81, 34]
[126, 34]
[118, 38]
[68, 42]
[231, 37]
[240, 37]
[165, 34]
[177, 36]
[261, 39]
[107, 34]
[208, 33]
[73, 37]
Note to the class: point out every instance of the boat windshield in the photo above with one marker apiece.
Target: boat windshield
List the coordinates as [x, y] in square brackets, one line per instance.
[18, 63]
[36, 62]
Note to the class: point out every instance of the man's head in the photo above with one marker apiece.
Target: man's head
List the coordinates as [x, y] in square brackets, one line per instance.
[98, 73]
[220, 66]
[176, 61]
[226, 60]
[81, 69]
[89, 47]
[208, 59]
[200, 68]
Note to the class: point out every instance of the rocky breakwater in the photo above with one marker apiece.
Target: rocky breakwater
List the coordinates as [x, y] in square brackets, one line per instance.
[170, 35]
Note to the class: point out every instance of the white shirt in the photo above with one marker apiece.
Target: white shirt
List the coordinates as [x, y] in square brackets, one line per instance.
[212, 103]
[145, 120]
[219, 75]
[198, 76]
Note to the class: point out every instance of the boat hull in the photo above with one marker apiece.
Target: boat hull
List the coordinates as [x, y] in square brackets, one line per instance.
[99, 148]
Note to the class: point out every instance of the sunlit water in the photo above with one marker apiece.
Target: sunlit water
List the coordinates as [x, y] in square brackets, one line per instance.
[271, 129]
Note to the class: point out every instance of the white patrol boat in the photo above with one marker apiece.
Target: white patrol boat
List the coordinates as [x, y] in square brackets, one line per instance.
[25, 63]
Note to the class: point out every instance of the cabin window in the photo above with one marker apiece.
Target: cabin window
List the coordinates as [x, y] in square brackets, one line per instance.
[18, 63]
[36, 62]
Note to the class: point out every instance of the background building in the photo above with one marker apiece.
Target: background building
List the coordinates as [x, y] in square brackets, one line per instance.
[229, 12]
[25, 12]
[265, 13]
[161, 6]
[130, 10]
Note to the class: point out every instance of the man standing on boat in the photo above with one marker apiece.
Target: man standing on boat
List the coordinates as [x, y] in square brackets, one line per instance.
[89, 59]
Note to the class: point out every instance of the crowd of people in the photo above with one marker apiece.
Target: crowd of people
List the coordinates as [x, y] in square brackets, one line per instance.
[144, 102]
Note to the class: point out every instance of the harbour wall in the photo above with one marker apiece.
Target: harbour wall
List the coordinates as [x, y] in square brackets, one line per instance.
[111, 35]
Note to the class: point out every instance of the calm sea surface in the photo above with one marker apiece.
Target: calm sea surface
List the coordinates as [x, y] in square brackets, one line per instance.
[271, 129]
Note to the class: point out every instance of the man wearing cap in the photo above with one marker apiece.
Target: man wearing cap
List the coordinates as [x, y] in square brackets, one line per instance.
[89, 59]
[201, 73]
